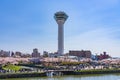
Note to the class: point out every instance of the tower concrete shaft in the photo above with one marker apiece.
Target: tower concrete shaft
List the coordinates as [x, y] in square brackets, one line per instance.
[60, 38]
[60, 18]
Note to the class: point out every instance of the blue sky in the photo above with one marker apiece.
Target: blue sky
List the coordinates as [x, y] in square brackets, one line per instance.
[92, 25]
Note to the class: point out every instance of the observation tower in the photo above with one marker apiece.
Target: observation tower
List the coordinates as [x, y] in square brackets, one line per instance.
[60, 18]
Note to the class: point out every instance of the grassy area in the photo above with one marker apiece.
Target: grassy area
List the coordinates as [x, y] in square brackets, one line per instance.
[11, 67]
[72, 63]
[31, 65]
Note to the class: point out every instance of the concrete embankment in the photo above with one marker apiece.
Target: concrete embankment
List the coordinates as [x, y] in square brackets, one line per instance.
[37, 74]
[85, 72]
[21, 75]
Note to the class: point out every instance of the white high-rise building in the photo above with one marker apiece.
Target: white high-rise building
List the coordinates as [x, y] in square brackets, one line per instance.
[60, 18]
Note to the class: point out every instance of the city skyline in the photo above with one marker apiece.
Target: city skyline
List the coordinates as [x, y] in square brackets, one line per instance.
[92, 25]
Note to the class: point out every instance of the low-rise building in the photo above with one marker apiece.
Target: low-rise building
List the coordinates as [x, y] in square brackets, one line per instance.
[103, 56]
[18, 54]
[35, 53]
[82, 53]
[5, 53]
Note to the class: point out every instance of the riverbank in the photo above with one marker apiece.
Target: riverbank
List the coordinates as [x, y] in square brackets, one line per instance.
[43, 74]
